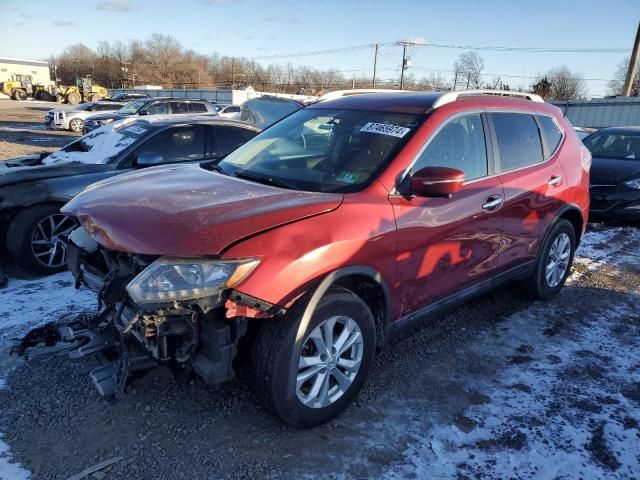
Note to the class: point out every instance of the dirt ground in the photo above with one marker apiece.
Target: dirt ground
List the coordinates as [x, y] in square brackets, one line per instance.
[22, 129]
[503, 387]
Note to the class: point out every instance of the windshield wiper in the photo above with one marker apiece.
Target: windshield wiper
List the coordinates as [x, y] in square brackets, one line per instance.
[214, 166]
[264, 180]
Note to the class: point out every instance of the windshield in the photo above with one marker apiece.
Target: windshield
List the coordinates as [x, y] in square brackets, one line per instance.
[100, 146]
[132, 107]
[621, 146]
[322, 150]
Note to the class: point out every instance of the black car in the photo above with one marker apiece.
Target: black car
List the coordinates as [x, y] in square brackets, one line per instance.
[150, 106]
[33, 188]
[615, 173]
[126, 97]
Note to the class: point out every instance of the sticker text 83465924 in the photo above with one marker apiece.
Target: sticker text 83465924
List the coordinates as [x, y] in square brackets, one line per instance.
[385, 129]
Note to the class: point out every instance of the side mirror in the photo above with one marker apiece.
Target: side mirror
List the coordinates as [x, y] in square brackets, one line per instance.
[143, 112]
[436, 182]
[149, 159]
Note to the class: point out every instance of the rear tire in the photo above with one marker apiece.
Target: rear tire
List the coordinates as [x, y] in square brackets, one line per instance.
[23, 232]
[281, 365]
[554, 261]
[20, 95]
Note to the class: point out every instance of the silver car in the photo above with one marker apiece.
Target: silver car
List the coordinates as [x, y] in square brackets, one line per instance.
[73, 119]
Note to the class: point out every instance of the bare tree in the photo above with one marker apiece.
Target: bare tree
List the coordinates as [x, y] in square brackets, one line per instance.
[616, 86]
[468, 70]
[566, 85]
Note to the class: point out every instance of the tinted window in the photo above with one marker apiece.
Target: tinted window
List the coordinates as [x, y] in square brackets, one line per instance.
[157, 109]
[108, 107]
[622, 146]
[518, 140]
[199, 108]
[460, 144]
[179, 107]
[176, 144]
[230, 138]
[552, 133]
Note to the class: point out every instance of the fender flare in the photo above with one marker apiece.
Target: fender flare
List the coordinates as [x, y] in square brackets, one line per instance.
[331, 279]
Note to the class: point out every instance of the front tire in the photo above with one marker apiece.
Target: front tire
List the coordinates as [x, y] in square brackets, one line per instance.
[37, 238]
[75, 125]
[310, 374]
[554, 261]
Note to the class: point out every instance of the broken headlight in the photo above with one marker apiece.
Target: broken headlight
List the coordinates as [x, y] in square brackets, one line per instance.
[174, 278]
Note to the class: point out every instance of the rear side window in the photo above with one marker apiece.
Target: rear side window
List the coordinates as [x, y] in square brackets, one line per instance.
[179, 107]
[157, 109]
[198, 108]
[460, 144]
[178, 144]
[230, 138]
[518, 140]
[552, 133]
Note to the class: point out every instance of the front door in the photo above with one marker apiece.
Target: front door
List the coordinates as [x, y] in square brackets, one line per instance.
[446, 245]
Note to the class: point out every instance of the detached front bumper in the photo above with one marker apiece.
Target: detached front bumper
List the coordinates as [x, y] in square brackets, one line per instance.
[129, 340]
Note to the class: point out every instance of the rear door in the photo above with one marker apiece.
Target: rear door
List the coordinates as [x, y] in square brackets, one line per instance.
[532, 177]
[447, 245]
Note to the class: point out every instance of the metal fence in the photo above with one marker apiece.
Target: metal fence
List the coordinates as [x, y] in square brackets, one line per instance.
[602, 112]
[235, 97]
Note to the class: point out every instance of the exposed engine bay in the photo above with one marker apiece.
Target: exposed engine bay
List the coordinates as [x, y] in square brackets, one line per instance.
[198, 337]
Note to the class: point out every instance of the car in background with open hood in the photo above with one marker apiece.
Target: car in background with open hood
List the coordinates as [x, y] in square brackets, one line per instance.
[33, 188]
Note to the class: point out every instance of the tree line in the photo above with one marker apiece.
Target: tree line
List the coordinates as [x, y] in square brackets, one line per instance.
[162, 60]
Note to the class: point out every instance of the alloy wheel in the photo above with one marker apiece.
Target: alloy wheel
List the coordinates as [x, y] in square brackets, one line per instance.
[329, 361]
[49, 239]
[558, 260]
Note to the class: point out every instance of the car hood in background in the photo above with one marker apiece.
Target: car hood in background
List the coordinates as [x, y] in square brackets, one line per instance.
[265, 111]
[30, 168]
[187, 210]
[108, 115]
[610, 171]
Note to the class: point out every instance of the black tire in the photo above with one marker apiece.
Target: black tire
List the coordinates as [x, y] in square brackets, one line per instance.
[537, 284]
[21, 232]
[275, 356]
[75, 125]
[73, 98]
[20, 95]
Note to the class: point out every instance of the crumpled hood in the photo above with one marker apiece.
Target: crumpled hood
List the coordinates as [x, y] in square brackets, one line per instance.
[187, 210]
[611, 171]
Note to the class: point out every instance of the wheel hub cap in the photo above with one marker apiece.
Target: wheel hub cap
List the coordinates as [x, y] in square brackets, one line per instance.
[329, 362]
[558, 260]
[49, 239]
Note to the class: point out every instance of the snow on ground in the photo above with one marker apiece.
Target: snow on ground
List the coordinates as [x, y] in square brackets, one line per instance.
[526, 415]
[25, 304]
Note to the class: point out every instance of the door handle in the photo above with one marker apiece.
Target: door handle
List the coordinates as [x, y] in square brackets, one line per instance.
[555, 181]
[492, 203]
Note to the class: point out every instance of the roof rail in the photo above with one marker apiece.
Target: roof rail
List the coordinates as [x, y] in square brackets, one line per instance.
[453, 96]
[358, 91]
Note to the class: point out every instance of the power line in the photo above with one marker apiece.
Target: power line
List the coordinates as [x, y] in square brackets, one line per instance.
[494, 48]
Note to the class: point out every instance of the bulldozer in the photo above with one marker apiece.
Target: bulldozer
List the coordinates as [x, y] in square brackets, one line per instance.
[20, 87]
[83, 91]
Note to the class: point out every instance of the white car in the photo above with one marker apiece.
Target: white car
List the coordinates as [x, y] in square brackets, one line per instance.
[228, 111]
[73, 119]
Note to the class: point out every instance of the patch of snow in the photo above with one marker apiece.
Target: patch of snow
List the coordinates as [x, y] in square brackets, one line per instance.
[8, 469]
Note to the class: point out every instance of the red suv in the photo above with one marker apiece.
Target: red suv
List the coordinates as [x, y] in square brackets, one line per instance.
[312, 244]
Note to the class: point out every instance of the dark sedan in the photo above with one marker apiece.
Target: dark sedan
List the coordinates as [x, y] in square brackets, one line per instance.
[615, 173]
[33, 188]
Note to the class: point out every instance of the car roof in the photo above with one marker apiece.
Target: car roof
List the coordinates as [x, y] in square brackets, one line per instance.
[165, 120]
[620, 130]
[172, 99]
[421, 102]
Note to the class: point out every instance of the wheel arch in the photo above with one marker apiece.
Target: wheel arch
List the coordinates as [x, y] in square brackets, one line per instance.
[574, 215]
[364, 282]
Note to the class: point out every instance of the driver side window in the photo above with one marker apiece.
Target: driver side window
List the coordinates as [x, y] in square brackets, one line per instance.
[459, 144]
[178, 144]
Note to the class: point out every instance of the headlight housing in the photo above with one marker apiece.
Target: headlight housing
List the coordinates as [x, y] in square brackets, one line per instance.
[633, 183]
[169, 279]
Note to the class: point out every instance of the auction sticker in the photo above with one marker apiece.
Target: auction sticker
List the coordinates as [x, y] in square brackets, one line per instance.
[385, 129]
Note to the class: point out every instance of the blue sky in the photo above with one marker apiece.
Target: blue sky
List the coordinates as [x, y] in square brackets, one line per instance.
[38, 28]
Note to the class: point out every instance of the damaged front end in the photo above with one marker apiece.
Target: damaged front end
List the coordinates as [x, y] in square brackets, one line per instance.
[180, 313]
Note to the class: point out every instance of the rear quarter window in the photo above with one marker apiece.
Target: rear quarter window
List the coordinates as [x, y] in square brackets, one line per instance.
[518, 140]
[199, 108]
[552, 133]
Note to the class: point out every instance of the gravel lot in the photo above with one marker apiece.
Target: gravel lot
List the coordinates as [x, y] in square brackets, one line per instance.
[22, 129]
[503, 387]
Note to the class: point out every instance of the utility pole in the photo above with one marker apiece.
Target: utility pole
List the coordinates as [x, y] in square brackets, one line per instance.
[628, 83]
[404, 65]
[233, 71]
[375, 64]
